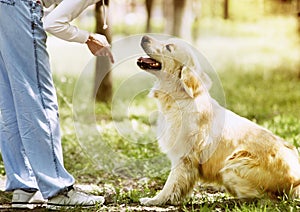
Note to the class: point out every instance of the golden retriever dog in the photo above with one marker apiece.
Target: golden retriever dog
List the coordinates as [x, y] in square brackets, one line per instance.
[206, 142]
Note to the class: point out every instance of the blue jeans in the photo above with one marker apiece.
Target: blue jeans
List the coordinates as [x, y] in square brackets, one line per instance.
[30, 139]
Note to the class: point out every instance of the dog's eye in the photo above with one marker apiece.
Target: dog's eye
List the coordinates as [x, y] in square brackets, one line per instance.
[170, 47]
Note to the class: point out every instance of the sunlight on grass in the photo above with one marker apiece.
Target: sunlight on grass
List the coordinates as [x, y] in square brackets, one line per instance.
[265, 45]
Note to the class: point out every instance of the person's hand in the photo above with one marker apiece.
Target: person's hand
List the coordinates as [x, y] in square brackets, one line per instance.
[99, 46]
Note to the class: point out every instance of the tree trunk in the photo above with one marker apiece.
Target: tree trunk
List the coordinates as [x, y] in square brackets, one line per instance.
[173, 13]
[179, 6]
[226, 9]
[168, 16]
[149, 7]
[103, 78]
[298, 15]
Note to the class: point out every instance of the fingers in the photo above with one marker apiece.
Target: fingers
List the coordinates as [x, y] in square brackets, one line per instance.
[105, 51]
[111, 58]
[109, 55]
[99, 46]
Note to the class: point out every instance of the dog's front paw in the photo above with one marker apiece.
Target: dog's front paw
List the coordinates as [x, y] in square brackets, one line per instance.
[150, 201]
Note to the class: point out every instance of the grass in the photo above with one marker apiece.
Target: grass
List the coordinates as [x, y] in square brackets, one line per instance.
[119, 153]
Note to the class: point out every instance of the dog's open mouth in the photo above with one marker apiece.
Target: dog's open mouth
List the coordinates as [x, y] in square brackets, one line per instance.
[148, 63]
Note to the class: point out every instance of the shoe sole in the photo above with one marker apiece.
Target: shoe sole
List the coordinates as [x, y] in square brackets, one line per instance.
[66, 206]
[28, 205]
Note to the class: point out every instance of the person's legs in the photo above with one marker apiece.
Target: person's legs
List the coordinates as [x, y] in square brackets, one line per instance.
[35, 113]
[18, 169]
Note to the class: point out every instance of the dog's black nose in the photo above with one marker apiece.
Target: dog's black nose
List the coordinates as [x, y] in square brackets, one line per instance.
[146, 39]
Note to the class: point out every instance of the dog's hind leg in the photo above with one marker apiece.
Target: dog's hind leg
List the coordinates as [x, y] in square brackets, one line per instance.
[239, 187]
[239, 173]
[180, 182]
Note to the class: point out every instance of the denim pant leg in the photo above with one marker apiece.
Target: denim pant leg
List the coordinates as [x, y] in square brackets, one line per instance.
[18, 169]
[30, 118]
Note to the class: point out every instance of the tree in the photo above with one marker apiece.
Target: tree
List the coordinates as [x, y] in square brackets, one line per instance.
[173, 13]
[149, 7]
[226, 9]
[298, 15]
[178, 10]
[103, 78]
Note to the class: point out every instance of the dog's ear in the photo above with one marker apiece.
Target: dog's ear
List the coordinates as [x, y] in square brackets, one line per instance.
[189, 82]
[192, 84]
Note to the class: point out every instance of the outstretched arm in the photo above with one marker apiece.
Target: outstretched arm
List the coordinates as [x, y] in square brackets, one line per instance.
[58, 24]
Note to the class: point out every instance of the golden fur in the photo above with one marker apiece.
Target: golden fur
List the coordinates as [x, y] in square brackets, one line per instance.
[207, 142]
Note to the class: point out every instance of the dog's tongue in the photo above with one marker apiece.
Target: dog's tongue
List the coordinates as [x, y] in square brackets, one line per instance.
[148, 63]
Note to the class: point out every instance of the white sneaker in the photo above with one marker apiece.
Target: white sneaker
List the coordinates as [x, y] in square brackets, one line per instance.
[28, 200]
[74, 198]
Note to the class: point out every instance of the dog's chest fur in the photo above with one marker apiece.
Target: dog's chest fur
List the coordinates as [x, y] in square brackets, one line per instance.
[183, 123]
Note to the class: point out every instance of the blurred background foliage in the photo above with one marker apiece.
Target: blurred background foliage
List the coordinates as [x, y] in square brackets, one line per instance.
[129, 16]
